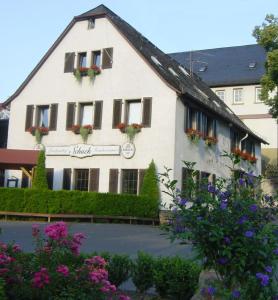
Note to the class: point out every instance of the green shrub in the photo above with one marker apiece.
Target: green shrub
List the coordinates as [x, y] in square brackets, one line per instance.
[76, 202]
[142, 272]
[39, 180]
[2, 289]
[118, 269]
[150, 186]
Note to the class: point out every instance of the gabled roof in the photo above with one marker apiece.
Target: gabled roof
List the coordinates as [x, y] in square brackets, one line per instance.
[226, 66]
[169, 70]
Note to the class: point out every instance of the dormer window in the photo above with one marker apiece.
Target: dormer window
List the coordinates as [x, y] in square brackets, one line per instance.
[91, 23]
[82, 60]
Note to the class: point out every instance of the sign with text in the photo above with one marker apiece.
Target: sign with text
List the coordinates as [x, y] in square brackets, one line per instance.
[82, 150]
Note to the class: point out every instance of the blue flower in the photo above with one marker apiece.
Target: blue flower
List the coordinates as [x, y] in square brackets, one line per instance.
[264, 278]
[199, 218]
[211, 290]
[227, 240]
[268, 269]
[241, 181]
[242, 219]
[182, 202]
[223, 204]
[222, 260]
[253, 207]
[249, 233]
[267, 198]
[275, 251]
[211, 188]
[236, 294]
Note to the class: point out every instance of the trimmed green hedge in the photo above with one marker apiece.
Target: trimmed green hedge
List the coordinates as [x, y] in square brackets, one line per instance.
[47, 201]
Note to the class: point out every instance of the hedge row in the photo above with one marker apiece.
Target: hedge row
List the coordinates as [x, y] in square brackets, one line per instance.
[76, 202]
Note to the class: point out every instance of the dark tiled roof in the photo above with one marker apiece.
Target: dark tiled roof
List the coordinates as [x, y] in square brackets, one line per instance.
[15, 158]
[226, 66]
[168, 69]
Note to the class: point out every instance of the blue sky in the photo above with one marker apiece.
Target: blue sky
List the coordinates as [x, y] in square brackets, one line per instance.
[29, 27]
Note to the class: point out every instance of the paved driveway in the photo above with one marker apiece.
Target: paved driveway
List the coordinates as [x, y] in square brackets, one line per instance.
[115, 238]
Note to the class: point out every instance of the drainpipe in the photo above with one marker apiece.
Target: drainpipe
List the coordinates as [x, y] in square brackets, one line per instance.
[244, 138]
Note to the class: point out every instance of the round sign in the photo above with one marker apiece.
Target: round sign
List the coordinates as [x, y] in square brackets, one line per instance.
[128, 150]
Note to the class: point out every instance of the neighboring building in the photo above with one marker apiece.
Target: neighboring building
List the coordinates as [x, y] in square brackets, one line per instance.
[138, 83]
[234, 74]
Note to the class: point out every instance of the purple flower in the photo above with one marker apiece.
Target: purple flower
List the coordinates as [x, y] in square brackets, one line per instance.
[253, 207]
[222, 260]
[267, 197]
[264, 278]
[236, 294]
[223, 205]
[182, 202]
[211, 188]
[249, 233]
[227, 240]
[211, 290]
[242, 219]
[200, 218]
[275, 251]
[241, 181]
[268, 269]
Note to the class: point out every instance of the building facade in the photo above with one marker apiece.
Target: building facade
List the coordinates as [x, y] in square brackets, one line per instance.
[234, 74]
[101, 72]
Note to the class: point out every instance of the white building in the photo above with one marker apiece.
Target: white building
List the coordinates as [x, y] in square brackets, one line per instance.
[138, 83]
[234, 74]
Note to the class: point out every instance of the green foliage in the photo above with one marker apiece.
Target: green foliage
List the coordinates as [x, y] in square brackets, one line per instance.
[142, 272]
[231, 227]
[118, 268]
[150, 186]
[39, 180]
[76, 202]
[176, 278]
[267, 36]
[2, 289]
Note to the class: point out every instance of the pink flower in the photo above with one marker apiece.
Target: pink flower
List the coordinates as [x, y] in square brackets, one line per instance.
[63, 270]
[96, 261]
[98, 276]
[5, 259]
[35, 230]
[3, 246]
[56, 231]
[16, 248]
[124, 297]
[78, 237]
[41, 278]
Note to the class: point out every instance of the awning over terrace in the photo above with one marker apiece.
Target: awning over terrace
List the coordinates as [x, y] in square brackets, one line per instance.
[15, 159]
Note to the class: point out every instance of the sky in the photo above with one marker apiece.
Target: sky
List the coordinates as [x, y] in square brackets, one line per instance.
[29, 27]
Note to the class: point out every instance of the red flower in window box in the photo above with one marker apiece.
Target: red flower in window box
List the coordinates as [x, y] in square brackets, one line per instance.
[38, 132]
[96, 69]
[211, 140]
[32, 130]
[194, 134]
[88, 127]
[122, 127]
[253, 159]
[130, 130]
[245, 155]
[237, 152]
[75, 129]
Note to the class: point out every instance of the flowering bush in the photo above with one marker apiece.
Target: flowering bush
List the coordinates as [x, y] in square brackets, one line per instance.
[83, 130]
[130, 130]
[83, 71]
[38, 132]
[230, 224]
[55, 270]
[244, 155]
[194, 134]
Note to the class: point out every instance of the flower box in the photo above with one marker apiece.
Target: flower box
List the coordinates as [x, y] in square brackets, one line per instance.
[130, 130]
[38, 132]
[83, 71]
[210, 140]
[83, 130]
[194, 134]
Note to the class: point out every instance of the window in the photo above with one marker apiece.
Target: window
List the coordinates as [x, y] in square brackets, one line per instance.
[235, 139]
[91, 23]
[96, 58]
[86, 114]
[238, 96]
[133, 112]
[211, 128]
[248, 146]
[82, 60]
[220, 94]
[2, 177]
[107, 58]
[258, 95]
[129, 181]
[69, 62]
[43, 116]
[191, 118]
[81, 179]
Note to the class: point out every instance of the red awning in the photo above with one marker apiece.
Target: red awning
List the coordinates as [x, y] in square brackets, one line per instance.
[14, 159]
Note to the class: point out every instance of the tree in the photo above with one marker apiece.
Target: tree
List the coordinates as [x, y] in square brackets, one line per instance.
[267, 36]
[40, 180]
[150, 183]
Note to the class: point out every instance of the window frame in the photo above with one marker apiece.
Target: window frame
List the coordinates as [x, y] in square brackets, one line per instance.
[81, 112]
[235, 90]
[224, 94]
[123, 188]
[75, 183]
[93, 55]
[127, 110]
[257, 100]
[39, 115]
[79, 56]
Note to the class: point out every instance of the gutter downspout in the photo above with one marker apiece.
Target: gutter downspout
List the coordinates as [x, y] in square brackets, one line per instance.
[244, 138]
